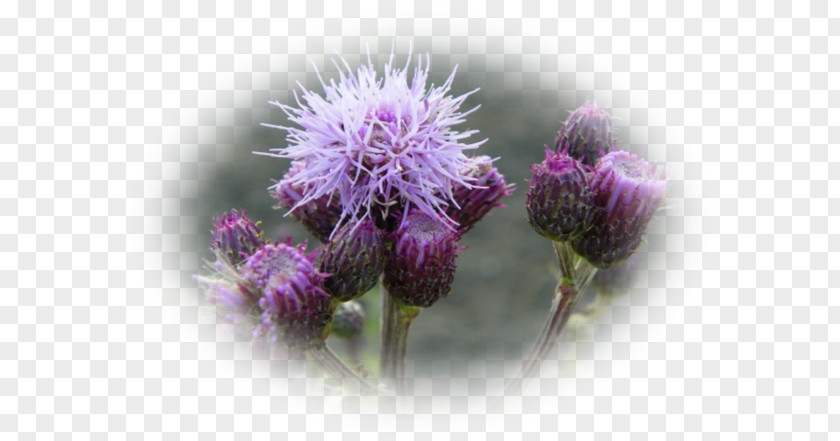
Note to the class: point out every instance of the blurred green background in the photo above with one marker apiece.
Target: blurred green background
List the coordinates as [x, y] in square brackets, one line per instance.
[506, 274]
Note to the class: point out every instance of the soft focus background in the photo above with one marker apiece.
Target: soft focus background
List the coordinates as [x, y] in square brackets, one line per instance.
[125, 127]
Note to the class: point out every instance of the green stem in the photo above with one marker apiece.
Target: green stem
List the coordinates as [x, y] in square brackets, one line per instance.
[576, 278]
[396, 319]
[334, 367]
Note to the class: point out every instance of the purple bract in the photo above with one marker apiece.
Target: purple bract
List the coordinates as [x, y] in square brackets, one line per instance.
[628, 190]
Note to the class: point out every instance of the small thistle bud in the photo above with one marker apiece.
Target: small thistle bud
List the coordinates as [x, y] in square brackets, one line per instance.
[421, 267]
[319, 216]
[475, 202]
[295, 308]
[559, 201]
[628, 190]
[235, 237]
[349, 320]
[354, 258]
[586, 135]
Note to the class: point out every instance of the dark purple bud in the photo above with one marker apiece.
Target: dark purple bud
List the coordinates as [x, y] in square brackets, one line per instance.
[349, 320]
[586, 135]
[319, 216]
[421, 267]
[235, 237]
[295, 308]
[354, 258]
[474, 203]
[628, 190]
[559, 201]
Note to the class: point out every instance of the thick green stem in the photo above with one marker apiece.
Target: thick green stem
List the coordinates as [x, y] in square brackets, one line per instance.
[396, 319]
[334, 367]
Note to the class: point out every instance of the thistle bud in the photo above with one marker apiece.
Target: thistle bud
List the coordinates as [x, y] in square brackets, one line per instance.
[295, 308]
[421, 267]
[474, 203]
[235, 237]
[628, 191]
[559, 201]
[586, 135]
[354, 258]
[349, 320]
[319, 216]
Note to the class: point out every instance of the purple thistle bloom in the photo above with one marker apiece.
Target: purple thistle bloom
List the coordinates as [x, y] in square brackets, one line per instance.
[378, 145]
[235, 237]
[422, 263]
[559, 201]
[354, 259]
[319, 216]
[475, 201]
[628, 190]
[295, 308]
[586, 135]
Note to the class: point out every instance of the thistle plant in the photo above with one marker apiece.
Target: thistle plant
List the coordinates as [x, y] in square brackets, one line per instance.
[383, 178]
[272, 288]
[595, 217]
[381, 175]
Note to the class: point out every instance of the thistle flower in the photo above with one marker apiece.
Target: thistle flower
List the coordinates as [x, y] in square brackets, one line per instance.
[559, 201]
[235, 237]
[319, 216]
[422, 264]
[295, 308]
[586, 135]
[349, 320]
[474, 202]
[628, 191]
[378, 145]
[354, 258]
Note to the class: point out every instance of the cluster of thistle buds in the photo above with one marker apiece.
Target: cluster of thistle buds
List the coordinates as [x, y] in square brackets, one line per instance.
[381, 179]
[591, 195]
[380, 176]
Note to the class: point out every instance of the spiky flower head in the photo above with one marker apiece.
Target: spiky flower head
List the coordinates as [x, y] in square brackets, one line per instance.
[354, 258]
[421, 267]
[475, 201]
[559, 201]
[586, 135]
[319, 216]
[295, 308]
[628, 190]
[349, 320]
[380, 145]
[235, 237]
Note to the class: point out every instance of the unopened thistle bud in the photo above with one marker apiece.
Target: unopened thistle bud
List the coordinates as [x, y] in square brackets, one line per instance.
[559, 201]
[475, 203]
[421, 267]
[295, 308]
[319, 216]
[628, 190]
[586, 135]
[354, 258]
[235, 237]
[349, 320]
